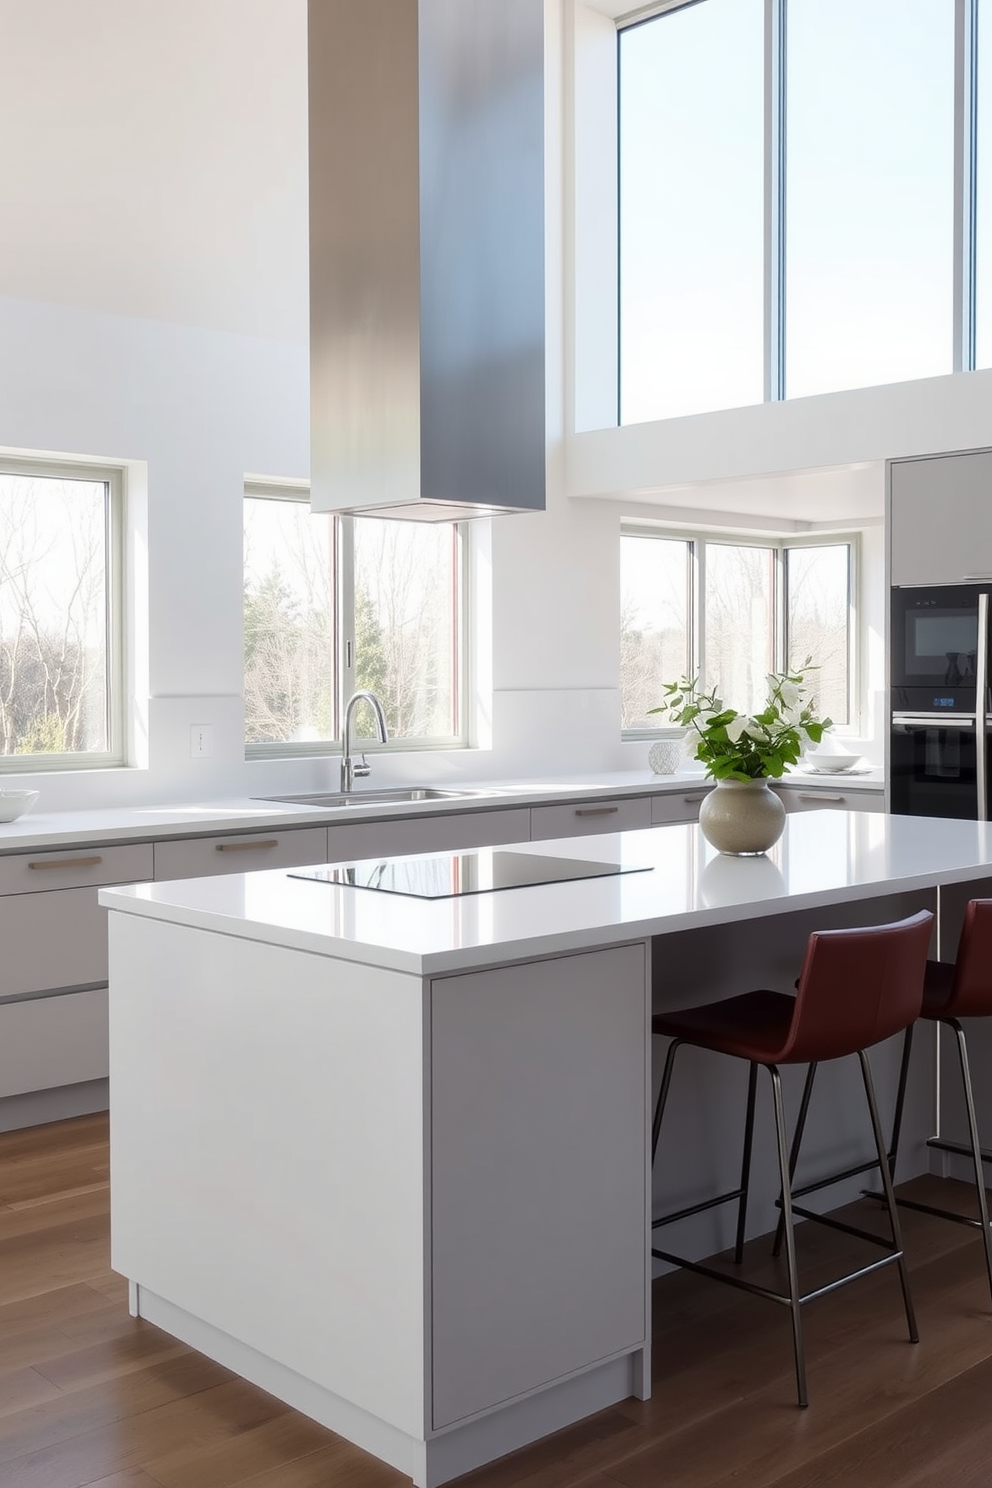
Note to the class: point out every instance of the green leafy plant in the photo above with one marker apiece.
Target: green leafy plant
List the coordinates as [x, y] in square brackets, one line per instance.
[741, 746]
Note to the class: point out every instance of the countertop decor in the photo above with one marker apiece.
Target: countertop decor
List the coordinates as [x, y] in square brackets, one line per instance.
[745, 751]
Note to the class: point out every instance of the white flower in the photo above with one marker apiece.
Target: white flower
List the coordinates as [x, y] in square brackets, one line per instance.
[789, 693]
[738, 725]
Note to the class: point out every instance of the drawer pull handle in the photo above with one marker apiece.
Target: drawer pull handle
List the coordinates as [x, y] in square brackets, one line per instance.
[66, 862]
[695, 800]
[819, 796]
[246, 846]
[596, 810]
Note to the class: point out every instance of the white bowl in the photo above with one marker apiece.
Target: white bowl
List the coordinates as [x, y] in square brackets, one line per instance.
[14, 803]
[836, 764]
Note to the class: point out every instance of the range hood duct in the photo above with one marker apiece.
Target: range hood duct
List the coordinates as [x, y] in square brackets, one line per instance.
[427, 257]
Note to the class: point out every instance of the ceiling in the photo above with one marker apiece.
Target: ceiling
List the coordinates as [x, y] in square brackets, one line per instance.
[153, 155]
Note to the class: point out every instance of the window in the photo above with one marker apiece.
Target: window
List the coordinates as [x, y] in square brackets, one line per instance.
[869, 193]
[691, 270]
[804, 201]
[333, 604]
[732, 611]
[60, 600]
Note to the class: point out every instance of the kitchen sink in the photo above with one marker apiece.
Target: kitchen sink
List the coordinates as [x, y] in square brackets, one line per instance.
[399, 795]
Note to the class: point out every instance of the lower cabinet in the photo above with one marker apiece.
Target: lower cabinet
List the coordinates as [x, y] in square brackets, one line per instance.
[539, 1199]
[678, 806]
[795, 798]
[54, 938]
[583, 818]
[46, 1042]
[203, 857]
[373, 839]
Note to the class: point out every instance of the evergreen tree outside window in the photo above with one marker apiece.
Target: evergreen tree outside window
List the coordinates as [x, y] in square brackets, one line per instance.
[336, 604]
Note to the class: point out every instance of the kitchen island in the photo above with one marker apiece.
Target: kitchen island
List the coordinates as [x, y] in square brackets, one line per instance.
[387, 1155]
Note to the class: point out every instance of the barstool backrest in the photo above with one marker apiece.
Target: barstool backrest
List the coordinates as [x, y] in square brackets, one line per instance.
[858, 987]
[971, 988]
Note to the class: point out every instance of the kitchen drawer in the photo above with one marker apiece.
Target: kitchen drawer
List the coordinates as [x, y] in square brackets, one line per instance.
[70, 868]
[427, 834]
[52, 940]
[678, 806]
[818, 799]
[202, 857]
[583, 818]
[53, 1041]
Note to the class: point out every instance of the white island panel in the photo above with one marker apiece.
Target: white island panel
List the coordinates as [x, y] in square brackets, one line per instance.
[267, 1133]
[539, 1112]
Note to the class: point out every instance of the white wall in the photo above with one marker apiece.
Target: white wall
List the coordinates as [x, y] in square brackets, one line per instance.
[139, 359]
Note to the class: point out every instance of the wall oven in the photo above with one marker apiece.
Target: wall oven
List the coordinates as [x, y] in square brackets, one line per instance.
[939, 675]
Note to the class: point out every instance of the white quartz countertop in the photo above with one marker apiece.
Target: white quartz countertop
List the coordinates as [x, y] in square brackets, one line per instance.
[40, 829]
[824, 857]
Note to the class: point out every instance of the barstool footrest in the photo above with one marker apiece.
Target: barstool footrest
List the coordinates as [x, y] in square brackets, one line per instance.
[938, 1213]
[700, 1208]
[958, 1148]
[818, 1183]
[757, 1290]
[839, 1224]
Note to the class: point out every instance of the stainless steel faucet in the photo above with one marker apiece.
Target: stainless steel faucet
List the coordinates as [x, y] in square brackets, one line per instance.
[349, 770]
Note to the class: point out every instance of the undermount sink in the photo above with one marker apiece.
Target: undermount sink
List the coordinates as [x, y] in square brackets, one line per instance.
[401, 794]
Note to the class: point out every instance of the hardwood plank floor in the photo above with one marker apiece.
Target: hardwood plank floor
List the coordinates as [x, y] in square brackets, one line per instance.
[92, 1398]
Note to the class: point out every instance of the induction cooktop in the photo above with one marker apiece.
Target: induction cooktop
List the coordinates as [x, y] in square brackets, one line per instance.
[447, 876]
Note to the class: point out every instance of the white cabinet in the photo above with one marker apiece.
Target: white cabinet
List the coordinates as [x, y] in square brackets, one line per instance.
[52, 930]
[818, 798]
[583, 818]
[373, 839]
[940, 518]
[202, 857]
[539, 1120]
[54, 936]
[678, 806]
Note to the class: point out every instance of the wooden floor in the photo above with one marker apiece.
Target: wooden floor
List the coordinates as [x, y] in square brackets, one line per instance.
[89, 1395]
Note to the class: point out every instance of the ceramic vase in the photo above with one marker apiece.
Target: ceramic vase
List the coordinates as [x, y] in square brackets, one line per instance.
[742, 817]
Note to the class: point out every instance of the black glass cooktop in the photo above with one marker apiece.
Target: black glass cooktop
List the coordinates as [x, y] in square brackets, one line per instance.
[448, 876]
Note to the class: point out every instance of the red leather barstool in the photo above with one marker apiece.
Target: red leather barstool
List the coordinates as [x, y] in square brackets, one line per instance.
[857, 987]
[953, 990]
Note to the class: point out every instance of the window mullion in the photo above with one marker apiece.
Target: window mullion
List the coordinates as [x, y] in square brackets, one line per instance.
[344, 547]
[965, 180]
[774, 186]
[780, 648]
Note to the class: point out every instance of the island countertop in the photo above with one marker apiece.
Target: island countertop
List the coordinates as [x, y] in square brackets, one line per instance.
[823, 857]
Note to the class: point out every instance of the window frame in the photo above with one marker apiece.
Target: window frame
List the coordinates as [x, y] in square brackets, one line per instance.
[114, 477]
[963, 329]
[697, 539]
[343, 549]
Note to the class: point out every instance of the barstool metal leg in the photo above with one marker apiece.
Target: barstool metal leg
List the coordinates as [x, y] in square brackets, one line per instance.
[797, 1138]
[976, 1150]
[795, 1306]
[890, 1198]
[666, 1084]
[907, 1049]
[752, 1086]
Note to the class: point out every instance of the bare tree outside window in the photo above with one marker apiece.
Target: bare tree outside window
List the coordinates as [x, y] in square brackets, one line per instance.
[55, 663]
[740, 623]
[654, 623]
[399, 603]
[289, 622]
[406, 623]
[818, 610]
[746, 587]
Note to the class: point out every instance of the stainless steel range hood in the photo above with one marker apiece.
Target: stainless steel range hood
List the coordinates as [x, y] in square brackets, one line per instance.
[427, 257]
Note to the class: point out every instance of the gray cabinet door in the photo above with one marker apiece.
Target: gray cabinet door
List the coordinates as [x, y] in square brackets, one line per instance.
[940, 518]
[539, 1221]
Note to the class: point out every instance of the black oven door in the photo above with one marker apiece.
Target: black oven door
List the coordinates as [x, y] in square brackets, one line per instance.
[934, 768]
[936, 647]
